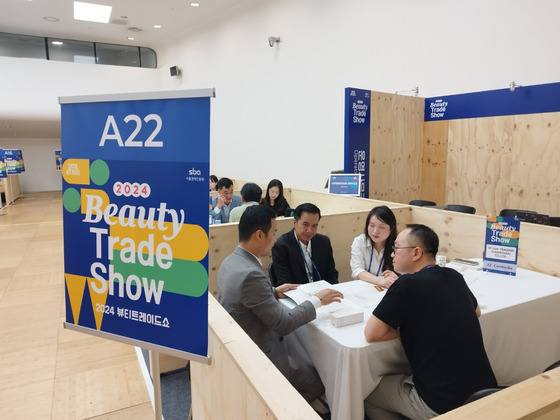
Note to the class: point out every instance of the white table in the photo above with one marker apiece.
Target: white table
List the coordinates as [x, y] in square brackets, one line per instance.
[520, 324]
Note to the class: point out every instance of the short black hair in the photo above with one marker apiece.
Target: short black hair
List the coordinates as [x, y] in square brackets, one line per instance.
[251, 192]
[255, 218]
[429, 241]
[224, 182]
[306, 208]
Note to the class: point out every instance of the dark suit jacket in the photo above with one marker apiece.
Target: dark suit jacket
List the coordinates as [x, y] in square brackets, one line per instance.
[246, 293]
[289, 266]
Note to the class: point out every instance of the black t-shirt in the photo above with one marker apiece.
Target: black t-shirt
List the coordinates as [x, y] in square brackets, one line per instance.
[435, 312]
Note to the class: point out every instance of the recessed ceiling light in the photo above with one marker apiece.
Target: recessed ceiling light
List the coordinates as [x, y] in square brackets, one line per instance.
[51, 19]
[57, 43]
[92, 12]
[157, 26]
[130, 38]
[195, 4]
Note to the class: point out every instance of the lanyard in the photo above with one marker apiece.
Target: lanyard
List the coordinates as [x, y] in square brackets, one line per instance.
[309, 271]
[380, 263]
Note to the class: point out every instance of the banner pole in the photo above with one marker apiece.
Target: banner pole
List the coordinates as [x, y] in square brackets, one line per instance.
[156, 379]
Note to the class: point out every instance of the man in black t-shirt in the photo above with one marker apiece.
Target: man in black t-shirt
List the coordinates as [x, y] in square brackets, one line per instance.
[435, 315]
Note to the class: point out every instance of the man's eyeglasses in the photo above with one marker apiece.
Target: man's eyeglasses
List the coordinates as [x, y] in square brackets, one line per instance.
[401, 247]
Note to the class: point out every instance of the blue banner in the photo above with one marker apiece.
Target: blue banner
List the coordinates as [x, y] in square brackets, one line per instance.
[502, 245]
[13, 159]
[135, 191]
[3, 171]
[357, 135]
[520, 100]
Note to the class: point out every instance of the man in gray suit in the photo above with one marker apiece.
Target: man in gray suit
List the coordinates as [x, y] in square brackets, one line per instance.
[245, 292]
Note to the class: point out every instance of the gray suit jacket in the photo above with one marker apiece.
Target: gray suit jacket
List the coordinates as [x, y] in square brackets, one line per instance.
[246, 293]
[223, 216]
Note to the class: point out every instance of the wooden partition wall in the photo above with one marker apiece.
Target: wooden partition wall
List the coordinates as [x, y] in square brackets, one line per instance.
[396, 143]
[489, 163]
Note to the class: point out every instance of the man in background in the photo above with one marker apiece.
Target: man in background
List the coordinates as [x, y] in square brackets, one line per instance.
[303, 255]
[251, 195]
[225, 201]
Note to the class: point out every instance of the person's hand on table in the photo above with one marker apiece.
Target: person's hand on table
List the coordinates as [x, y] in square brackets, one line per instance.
[388, 279]
[329, 296]
[284, 288]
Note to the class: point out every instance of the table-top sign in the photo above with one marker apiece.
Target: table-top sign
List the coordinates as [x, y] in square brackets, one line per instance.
[501, 245]
[135, 191]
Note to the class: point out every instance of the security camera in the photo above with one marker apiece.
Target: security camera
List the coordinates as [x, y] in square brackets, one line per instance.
[272, 40]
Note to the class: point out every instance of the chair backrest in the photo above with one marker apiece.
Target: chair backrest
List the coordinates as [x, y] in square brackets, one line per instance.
[552, 366]
[422, 203]
[555, 221]
[482, 393]
[460, 208]
[513, 212]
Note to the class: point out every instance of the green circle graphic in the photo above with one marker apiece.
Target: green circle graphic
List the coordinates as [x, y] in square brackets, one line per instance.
[71, 200]
[99, 172]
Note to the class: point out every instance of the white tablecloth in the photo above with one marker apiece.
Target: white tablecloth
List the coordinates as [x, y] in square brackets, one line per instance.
[520, 323]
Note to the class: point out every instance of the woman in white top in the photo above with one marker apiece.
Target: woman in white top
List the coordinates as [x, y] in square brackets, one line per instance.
[371, 251]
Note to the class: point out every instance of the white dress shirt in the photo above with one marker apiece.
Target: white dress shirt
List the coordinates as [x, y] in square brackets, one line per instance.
[362, 250]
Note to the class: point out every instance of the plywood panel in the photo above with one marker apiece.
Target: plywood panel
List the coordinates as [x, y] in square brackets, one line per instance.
[535, 398]
[396, 147]
[463, 235]
[535, 175]
[434, 162]
[479, 163]
[241, 381]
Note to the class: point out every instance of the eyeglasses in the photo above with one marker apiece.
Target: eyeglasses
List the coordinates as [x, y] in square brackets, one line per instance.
[395, 248]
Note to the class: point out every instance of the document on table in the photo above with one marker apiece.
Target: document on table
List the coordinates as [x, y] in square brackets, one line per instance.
[360, 293]
[304, 291]
[357, 293]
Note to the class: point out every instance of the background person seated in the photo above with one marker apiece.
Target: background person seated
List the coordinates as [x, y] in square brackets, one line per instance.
[302, 255]
[225, 201]
[275, 198]
[251, 194]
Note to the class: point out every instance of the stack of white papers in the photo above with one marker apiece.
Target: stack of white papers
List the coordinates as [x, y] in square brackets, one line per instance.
[346, 312]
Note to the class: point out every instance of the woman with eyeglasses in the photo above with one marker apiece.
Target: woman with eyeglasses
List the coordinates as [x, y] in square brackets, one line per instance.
[371, 251]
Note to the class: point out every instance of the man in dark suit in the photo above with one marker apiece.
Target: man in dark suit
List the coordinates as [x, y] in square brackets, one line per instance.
[245, 292]
[303, 255]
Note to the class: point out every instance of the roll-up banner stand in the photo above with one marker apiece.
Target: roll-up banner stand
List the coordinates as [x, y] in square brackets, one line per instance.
[135, 202]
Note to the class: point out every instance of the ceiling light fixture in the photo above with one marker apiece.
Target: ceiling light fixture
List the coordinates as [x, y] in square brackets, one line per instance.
[92, 12]
[157, 26]
[130, 38]
[57, 43]
[195, 4]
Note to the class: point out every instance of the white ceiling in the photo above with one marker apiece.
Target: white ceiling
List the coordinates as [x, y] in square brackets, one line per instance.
[177, 17]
